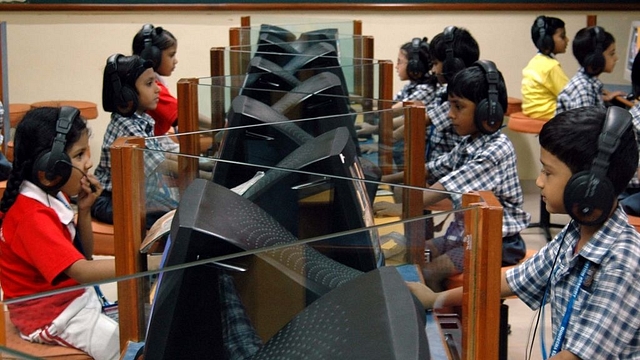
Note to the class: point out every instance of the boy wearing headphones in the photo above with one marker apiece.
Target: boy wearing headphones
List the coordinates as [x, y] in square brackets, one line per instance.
[595, 50]
[589, 273]
[543, 77]
[483, 159]
[630, 198]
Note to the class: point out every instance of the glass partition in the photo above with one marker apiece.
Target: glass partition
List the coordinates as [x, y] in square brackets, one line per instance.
[292, 243]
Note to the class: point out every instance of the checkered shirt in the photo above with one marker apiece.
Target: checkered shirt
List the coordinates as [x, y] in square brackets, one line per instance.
[487, 162]
[414, 91]
[441, 137]
[605, 322]
[582, 90]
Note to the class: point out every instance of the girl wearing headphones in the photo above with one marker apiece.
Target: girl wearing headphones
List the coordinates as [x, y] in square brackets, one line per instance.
[41, 248]
[543, 77]
[159, 46]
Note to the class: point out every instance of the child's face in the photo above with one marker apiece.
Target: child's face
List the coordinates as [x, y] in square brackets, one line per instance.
[437, 69]
[560, 41]
[168, 60]
[80, 155]
[148, 91]
[552, 180]
[610, 58]
[401, 65]
[461, 113]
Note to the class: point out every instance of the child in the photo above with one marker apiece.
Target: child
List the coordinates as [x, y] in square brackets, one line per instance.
[41, 248]
[630, 198]
[129, 89]
[595, 50]
[413, 65]
[160, 47]
[604, 323]
[483, 160]
[543, 77]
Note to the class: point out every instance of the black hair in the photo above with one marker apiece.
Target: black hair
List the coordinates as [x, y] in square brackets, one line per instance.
[425, 58]
[635, 75]
[33, 137]
[471, 84]
[551, 25]
[465, 47]
[572, 137]
[160, 38]
[584, 47]
[120, 95]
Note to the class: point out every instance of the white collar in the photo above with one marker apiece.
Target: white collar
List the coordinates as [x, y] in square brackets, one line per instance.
[59, 204]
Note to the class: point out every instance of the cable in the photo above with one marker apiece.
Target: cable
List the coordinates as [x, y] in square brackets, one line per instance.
[546, 290]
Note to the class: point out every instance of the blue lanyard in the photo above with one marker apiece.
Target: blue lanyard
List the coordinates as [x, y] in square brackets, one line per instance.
[557, 342]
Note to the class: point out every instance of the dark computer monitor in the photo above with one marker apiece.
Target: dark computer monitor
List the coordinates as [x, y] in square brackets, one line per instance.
[212, 221]
[267, 145]
[309, 204]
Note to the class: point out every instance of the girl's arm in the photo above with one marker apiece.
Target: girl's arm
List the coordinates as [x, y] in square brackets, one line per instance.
[86, 198]
[86, 271]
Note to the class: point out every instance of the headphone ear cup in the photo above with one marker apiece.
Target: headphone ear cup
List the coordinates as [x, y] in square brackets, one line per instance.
[594, 62]
[51, 177]
[589, 199]
[483, 118]
[547, 43]
[152, 53]
[415, 69]
[452, 66]
[128, 101]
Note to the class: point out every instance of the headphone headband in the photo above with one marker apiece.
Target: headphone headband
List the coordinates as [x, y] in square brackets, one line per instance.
[489, 113]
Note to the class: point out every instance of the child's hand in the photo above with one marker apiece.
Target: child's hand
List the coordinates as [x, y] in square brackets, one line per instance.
[426, 296]
[91, 189]
[608, 96]
[386, 208]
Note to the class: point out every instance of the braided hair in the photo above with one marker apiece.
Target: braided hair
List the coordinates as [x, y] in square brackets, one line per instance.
[34, 136]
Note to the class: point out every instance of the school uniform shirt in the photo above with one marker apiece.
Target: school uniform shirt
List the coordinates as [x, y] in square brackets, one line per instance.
[157, 196]
[166, 112]
[417, 92]
[582, 90]
[605, 322]
[635, 118]
[487, 162]
[441, 136]
[36, 247]
[542, 81]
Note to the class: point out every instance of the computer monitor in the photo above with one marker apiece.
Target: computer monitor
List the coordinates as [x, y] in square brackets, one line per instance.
[267, 145]
[212, 221]
[309, 205]
[632, 48]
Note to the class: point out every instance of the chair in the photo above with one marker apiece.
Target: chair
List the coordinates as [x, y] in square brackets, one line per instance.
[88, 109]
[519, 122]
[102, 238]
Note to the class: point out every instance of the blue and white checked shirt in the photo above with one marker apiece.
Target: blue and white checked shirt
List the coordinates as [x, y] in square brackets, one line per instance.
[441, 136]
[582, 90]
[487, 162]
[635, 118]
[605, 322]
[417, 92]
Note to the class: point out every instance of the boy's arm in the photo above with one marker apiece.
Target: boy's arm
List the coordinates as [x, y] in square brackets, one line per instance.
[91, 190]
[564, 355]
[452, 297]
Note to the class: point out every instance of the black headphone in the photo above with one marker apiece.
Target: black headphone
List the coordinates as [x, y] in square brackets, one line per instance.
[125, 98]
[489, 114]
[415, 68]
[589, 195]
[545, 40]
[150, 51]
[451, 64]
[594, 62]
[52, 169]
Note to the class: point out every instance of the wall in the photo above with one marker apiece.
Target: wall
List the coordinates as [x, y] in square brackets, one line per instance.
[61, 55]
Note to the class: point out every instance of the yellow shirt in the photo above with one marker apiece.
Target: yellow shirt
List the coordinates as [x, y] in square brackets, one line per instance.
[542, 81]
